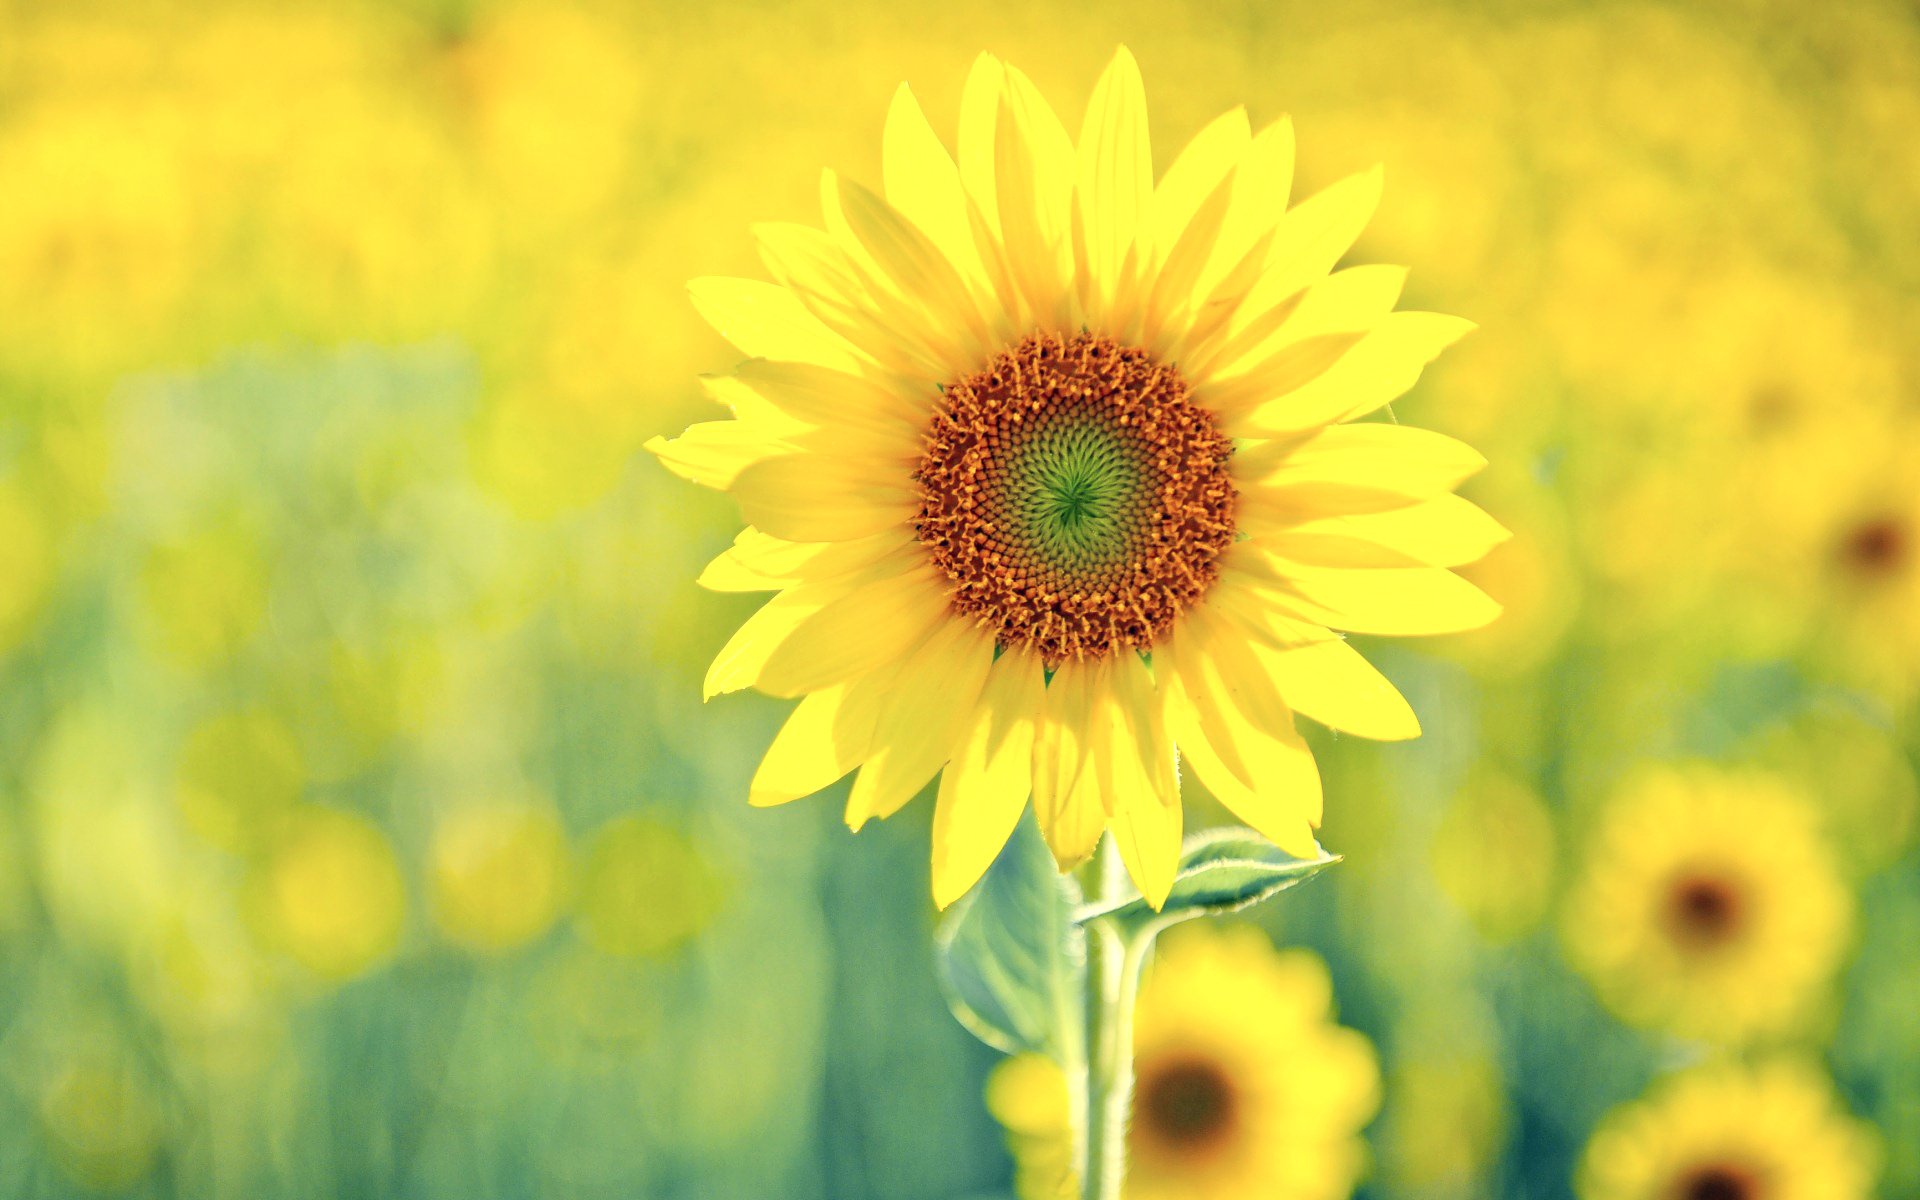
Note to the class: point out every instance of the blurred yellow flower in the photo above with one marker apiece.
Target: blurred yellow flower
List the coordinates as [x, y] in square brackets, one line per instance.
[98, 234]
[1855, 765]
[497, 874]
[1863, 560]
[1445, 1125]
[551, 94]
[102, 1123]
[1245, 1086]
[331, 895]
[205, 594]
[1494, 854]
[1773, 1132]
[1031, 421]
[1709, 903]
[646, 888]
[240, 776]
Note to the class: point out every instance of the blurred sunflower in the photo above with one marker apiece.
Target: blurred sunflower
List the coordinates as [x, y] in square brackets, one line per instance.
[1687, 915]
[1053, 471]
[1245, 1086]
[1865, 560]
[1729, 1133]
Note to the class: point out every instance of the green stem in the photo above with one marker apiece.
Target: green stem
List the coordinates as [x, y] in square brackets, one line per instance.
[1113, 974]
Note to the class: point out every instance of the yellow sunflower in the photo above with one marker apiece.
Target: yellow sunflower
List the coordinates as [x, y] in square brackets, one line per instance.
[1774, 1132]
[1245, 1086]
[1710, 905]
[1057, 476]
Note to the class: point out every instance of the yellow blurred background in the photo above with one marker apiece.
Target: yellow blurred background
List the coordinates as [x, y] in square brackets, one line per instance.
[363, 835]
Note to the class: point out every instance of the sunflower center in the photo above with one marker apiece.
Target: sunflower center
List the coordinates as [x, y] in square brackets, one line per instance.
[1704, 910]
[1876, 547]
[1187, 1106]
[1718, 1181]
[1074, 496]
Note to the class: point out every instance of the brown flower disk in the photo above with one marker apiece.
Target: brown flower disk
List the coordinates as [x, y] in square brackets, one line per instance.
[1024, 554]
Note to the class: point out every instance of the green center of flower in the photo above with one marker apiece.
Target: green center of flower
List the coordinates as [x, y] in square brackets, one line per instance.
[1074, 496]
[1077, 491]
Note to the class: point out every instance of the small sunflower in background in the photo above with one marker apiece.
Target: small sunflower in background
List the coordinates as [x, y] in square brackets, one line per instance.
[1060, 479]
[1773, 1132]
[1710, 905]
[1867, 560]
[1245, 1085]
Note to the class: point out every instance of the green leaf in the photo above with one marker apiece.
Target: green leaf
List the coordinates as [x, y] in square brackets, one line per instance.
[1011, 959]
[1221, 871]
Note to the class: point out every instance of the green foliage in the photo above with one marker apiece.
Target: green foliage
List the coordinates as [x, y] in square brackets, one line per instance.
[1012, 958]
[1221, 871]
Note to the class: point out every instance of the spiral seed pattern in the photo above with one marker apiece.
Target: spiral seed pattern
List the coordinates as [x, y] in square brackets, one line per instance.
[1074, 496]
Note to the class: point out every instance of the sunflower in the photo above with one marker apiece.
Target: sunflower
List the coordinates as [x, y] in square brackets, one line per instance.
[1709, 905]
[1865, 557]
[1058, 478]
[1773, 1132]
[1245, 1086]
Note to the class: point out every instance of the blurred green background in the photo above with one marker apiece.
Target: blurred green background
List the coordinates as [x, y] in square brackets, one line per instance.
[361, 832]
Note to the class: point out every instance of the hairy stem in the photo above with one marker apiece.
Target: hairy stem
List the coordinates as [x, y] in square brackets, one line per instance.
[1113, 976]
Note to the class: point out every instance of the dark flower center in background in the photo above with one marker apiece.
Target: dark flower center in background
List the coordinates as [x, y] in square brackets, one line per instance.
[1074, 496]
[1705, 910]
[1718, 1181]
[1184, 1107]
[1877, 547]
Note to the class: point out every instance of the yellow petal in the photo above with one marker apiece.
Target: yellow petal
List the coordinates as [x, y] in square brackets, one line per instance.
[920, 725]
[764, 320]
[1195, 175]
[751, 408]
[1066, 800]
[1173, 292]
[828, 734]
[741, 660]
[1259, 767]
[1250, 722]
[924, 185]
[823, 498]
[1033, 176]
[1445, 531]
[758, 562]
[1391, 601]
[943, 315]
[1315, 235]
[1139, 741]
[1280, 816]
[1330, 682]
[1147, 833]
[1379, 369]
[1115, 175]
[1261, 184]
[1353, 300]
[826, 398]
[870, 626]
[987, 783]
[1286, 370]
[1345, 469]
[713, 453]
[841, 295]
[1135, 765]
[979, 118]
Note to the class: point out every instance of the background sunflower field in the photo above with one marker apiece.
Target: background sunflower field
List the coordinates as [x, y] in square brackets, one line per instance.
[361, 833]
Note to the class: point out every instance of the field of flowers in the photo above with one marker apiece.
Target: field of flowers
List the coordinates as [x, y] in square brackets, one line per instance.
[362, 831]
